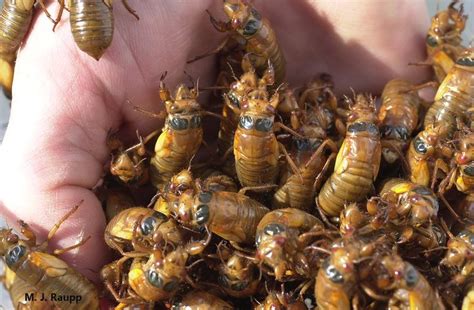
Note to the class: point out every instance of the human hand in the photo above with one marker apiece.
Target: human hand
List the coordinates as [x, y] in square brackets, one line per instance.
[65, 102]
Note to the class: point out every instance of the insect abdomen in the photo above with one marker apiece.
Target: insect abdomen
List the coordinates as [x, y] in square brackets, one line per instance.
[92, 26]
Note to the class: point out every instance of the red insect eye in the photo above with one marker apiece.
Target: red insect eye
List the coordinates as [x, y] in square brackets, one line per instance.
[461, 158]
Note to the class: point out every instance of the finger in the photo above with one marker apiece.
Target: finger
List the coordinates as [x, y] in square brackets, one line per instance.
[53, 153]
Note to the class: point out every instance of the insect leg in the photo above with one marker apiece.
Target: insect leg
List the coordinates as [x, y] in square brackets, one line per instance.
[62, 5]
[43, 7]
[132, 11]
[288, 129]
[219, 25]
[432, 84]
[316, 184]
[389, 145]
[323, 216]
[72, 247]
[450, 208]
[196, 247]
[265, 187]
[290, 161]
[210, 53]
[28, 233]
[56, 226]
[162, 114]
[439, 165]
[328, 142]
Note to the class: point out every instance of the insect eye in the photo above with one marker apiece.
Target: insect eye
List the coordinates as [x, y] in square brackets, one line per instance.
[431, 41]
[179, 123]
[466, 61]
[148, 226]
[196, 121]
[251, 27]
[372, 129]
[205, 197]
[153, 277]
[233, 99]
[469, 170]
[246, 122]
[14, 255]
[302, 144]
[239, 286]
[264, 124]
[357, 127]
[332, 273]
[171, 285]
[411, 277]
[273, 229]
[160, 216]
[402, 133]
[422, 190]
[202, 214]
[466, 234]
[323, 97]
[420, 146]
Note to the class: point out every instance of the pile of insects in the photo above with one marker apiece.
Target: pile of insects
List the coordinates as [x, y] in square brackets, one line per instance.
[308, 199]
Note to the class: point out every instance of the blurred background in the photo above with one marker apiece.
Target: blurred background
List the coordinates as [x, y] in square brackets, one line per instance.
[433, 6]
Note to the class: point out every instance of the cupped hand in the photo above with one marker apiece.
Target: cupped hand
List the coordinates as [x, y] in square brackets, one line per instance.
[65, 102]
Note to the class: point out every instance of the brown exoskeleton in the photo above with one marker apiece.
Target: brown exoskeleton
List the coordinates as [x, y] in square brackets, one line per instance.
[238, 276]
[358, 161]
[129, 165]
[461, 173]
[181, 136]
[454, 96]
[256, 149]
[46, 272]
[151, 279]
[320, 107]
[141, 229]
[443, 41]
[338, 277]
[19, 290]
[281, 240]
[422, 155]
[92, 24]
[197, 300]
[299, 190]
[251, 33]
[398, 116]
[412, 290]
[233, 100]
[413, 204]
[232, 216]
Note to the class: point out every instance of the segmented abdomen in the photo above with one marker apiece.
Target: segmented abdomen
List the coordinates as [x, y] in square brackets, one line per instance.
[297, 193]
[173, 151]
[265, 43]
[357, 166]
[352, 185]
[14, 24]
[235, 216]
[256, 158]
[455, 96]
[53, 277]
[92, 26]
[399, 107]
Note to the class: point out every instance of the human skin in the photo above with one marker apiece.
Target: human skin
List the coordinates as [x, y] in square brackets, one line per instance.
[65, 102]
